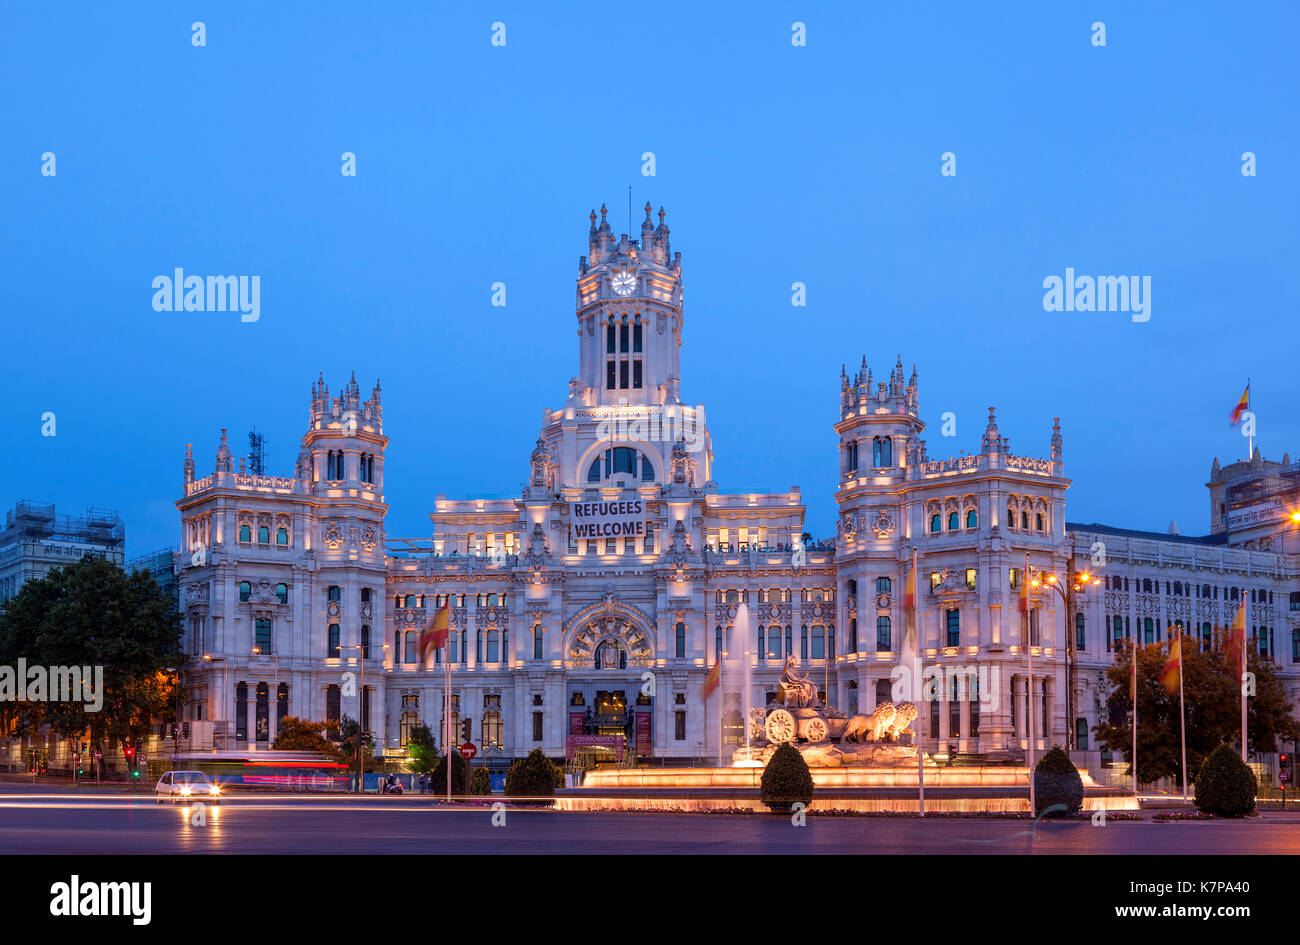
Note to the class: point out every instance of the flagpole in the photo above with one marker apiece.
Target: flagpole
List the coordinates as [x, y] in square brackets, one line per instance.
[1029, 687]
[1251, 439]
[1134, 660]
[1242, 680]
[1182, 709]
[920, 720]
[446, 712]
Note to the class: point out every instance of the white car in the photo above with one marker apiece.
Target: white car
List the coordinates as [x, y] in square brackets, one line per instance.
[187, 786]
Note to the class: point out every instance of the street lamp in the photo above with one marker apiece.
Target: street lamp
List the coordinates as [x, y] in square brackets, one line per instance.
[361, 712]
[1076, 583]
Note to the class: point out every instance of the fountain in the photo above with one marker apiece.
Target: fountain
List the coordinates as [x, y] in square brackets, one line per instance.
[743, 757]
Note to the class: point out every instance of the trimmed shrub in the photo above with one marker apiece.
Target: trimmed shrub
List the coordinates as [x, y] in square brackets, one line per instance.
[1226, 786]
[459, 774]
[534, 776]
[480, 783]
[1058, 789]
[786, 780]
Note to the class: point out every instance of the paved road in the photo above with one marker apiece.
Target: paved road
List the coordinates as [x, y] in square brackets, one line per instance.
[113, 823]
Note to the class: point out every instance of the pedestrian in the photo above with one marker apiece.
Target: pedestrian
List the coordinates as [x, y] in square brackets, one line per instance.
[423, 781]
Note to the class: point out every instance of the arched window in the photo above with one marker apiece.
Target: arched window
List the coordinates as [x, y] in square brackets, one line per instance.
[493, 646]
[282, 593]
[1080, 636]
[1038, 521]
[803, 641]
[935, 522]
[1011, 517]
[884, 636]
[410, 600]
[245, 590]
[717, 643]
[263, 535]
[818, 642]
[245, 534]
[538, 643]
[1024, 520]
[761, 650]
[333, 703]
[882, 452]
[679, 634]
[954, 522]
[241, 710]
[333, 648]
[972, 518]
[365, 641]
[282, 536]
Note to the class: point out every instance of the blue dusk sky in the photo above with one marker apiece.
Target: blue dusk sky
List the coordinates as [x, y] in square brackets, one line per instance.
[776, 164]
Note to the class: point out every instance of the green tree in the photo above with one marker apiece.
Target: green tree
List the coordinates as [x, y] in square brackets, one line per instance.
[459, 775]
[786, 779]
[1225, 785]
[1213, 698]
[1058, 789]
[349, 730]
[534, 776]
[92, 613]
[481, 782]
[295, 734]
[423, 749]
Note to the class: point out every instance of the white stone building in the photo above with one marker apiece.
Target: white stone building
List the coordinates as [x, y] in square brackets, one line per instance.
[295, 601]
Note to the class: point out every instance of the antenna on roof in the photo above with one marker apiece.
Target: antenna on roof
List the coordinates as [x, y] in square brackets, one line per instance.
[256, 453]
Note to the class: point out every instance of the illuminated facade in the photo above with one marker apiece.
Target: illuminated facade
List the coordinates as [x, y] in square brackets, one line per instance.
[296, 602]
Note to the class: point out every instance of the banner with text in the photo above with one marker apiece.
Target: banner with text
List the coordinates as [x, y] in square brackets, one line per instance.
[590, 521]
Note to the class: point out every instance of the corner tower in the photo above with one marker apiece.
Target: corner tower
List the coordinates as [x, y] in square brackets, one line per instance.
[629, 310]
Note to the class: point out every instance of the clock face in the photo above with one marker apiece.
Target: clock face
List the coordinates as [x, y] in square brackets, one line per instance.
[623, 281]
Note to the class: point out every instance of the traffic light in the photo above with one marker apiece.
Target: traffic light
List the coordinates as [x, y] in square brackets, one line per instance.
[1285, 769]
[131, 761]
[466, 729]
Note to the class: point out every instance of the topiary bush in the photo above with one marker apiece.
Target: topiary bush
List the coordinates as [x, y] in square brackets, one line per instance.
[1058, 789]
[459, 775]
[534, 776]
[480, 783]
[1226, 786]
[786, 780]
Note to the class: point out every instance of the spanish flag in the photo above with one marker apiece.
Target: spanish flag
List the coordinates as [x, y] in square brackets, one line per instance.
[1174, 665]
[1236, 640]
[434, 636]
[1242, 406]
[711, 681]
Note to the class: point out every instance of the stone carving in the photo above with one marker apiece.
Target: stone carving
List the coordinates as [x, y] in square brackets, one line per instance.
[332, 535]
[883, 523]
[795, 690]
[885, 724]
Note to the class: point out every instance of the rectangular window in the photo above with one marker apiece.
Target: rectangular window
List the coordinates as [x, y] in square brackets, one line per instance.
[262, 635]
[636, 374]
[333, 647]
[622, 375]
[610, 375]
[679, 726]
[954, 627]
[818, 643]
[537, 726]
[970, 579]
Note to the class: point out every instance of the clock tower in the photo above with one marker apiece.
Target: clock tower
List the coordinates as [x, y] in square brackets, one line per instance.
[630, 315]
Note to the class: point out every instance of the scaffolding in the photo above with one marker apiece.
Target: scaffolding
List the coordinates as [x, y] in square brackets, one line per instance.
[37, 521]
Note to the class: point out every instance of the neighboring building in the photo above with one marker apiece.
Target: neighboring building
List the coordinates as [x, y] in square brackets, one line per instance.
[35, 540]
[161, 565]
[296, 602]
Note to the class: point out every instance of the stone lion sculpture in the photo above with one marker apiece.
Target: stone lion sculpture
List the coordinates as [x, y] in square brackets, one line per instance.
[886, 723]
[903, 715]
